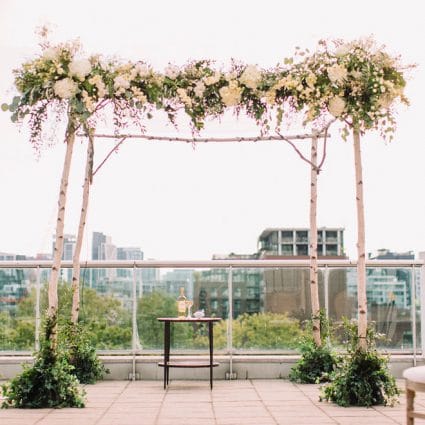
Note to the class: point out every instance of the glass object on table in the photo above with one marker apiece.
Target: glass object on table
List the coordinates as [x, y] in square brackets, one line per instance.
[189, 304]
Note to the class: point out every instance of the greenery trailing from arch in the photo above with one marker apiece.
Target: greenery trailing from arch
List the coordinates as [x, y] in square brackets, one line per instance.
[357, 82]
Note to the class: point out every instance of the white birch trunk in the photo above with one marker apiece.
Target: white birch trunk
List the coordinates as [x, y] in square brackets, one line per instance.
[361, 255]
[58, 250]
[81, 227]
[314, 283]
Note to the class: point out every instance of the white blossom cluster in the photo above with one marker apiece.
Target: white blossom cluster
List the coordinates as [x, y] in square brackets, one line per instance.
[352, 81]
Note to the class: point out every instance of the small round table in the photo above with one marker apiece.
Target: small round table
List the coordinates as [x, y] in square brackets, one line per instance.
[166, 363]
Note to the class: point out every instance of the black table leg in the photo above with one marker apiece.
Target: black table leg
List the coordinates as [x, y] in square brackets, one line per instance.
[211, 338]
[166, 352]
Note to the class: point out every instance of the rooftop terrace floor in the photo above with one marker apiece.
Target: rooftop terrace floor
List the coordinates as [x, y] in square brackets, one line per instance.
[259, 402]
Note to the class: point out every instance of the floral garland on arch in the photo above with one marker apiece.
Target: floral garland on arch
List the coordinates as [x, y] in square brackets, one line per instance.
[356, 82]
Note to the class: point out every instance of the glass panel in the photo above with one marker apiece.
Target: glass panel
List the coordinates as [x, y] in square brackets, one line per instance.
[389, 302]
[273, 304]
[17, 302]
[105, 306]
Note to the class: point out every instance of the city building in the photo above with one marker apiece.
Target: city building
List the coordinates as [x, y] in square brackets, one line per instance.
[295, 242]
[288, 290]
[173, 280]
[211, 291]
[102, 249]
[69, 242]
[13, 282]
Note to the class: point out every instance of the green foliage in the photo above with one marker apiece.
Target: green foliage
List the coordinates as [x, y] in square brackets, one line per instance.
[151, 334]
[257, 331]
[49, 382]
[107, 323]
[81, 354]
[363, 378]
[356, 82]
[316, 363]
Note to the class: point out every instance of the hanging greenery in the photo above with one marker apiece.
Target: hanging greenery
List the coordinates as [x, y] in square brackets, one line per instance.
[355, 82]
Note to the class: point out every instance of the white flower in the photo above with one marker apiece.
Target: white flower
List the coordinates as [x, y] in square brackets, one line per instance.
[184, 97]
[121, 83]
[172, 71]
[271, 96]
[311, 80]
[88, 101]
[51, 53]
[342, 50]
[251, 77]
[209, 81]
[65, 88]
[80, 68]
[139, 95]
[199, 89]
[231, 76]
[142, 69]
[356, 74]
[336, 106]
[231, 94]
[100, 85]
[337, 73]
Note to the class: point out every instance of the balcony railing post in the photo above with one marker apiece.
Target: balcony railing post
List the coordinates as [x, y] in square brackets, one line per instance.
[134, 323]
[230, 321]
[326, 289]
[37, 309]
[413, 312]
[422, 294]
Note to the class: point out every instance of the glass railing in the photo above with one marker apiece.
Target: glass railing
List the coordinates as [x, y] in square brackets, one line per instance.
[264, 303]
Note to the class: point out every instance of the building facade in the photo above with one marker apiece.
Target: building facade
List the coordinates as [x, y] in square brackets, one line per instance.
[295, 242]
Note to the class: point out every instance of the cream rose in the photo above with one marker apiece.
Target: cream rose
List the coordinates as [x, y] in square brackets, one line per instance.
[342, 50]
[336, 106]
[251, 77]
[80, 68]
[231, 94]
[199, 89]
[337, 73]
[121, 82]
[51, 53]
[65, 88]
[172, 71]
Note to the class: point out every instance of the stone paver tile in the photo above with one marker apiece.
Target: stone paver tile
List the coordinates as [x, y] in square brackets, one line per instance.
[304, 421]
[126, 421]
[358, 420]
[67, 421]
[19, 421]
[237, 403]
[351, 411]
[246, 421]
[186, 421]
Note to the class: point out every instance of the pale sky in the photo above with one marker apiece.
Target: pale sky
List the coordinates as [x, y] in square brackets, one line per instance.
[176, 202]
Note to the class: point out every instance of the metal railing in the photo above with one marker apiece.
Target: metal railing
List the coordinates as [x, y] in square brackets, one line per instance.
[414, 272]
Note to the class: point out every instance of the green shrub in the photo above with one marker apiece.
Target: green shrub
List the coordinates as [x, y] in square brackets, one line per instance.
[49, 382]
[316, 363]
[81, 354]
[363, 378]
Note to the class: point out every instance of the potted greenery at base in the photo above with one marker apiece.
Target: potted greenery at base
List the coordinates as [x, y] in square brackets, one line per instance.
[316, 362]
[80, 354]
[49, 382]
[362, 378]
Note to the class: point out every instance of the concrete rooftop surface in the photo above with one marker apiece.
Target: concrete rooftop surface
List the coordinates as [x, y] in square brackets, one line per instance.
[260, 402]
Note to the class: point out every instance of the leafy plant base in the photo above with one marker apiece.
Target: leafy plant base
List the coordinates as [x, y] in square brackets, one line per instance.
[362, 380]
[315, 365]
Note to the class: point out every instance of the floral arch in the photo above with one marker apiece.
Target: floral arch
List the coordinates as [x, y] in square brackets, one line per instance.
[356, 83]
